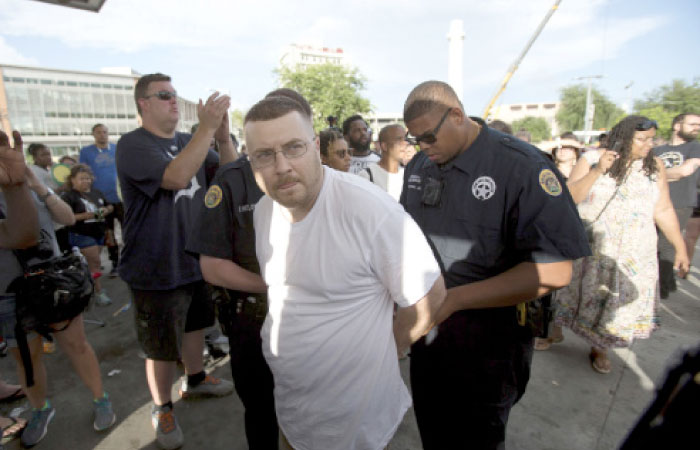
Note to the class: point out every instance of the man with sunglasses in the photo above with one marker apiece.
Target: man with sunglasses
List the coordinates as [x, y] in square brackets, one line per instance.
[359, 137]
[162, 176]
[328, 334]
[505, 230]
[682, 159]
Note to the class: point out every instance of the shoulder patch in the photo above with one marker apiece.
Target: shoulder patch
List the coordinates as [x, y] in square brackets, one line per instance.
[549, 182]
[213, 197]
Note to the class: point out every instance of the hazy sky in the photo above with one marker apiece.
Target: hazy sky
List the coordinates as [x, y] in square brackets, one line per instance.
[235, 45]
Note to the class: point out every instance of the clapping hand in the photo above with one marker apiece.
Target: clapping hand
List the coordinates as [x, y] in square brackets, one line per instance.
[212, 111]
[12, 166]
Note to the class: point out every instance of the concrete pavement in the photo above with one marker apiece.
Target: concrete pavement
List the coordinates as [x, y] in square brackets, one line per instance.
[567, 405]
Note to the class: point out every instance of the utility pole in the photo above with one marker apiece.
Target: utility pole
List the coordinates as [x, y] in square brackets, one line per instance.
[590, 108]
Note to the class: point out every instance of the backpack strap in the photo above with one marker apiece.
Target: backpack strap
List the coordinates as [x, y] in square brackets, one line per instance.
[23, 346]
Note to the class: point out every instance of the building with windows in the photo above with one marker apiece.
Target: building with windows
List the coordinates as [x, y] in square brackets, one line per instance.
[517, 111]
[308, 55]
[377, 121]
[59, 107]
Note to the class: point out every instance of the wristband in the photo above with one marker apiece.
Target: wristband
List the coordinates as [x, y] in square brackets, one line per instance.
[49, 193]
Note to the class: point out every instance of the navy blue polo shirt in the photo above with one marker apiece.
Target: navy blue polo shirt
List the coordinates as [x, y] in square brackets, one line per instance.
[224, 225]
[501, 202]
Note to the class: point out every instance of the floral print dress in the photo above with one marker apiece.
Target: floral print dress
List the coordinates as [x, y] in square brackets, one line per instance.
[613, 295]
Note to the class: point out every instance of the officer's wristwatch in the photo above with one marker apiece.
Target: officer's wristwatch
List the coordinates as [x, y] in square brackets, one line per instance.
[49, 193]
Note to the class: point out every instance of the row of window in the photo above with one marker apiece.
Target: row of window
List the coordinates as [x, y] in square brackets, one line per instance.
[90, 115]
[21, 80]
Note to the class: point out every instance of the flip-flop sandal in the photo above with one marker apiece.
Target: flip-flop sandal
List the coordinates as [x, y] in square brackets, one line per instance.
[542, 344]
[7, 434]
[19, 393]
[600, 368]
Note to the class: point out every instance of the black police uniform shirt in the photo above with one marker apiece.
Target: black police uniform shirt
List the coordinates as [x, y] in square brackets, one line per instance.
[81, 202]
[157, 221]
[500, 203]
[683, 192]
[224, 225]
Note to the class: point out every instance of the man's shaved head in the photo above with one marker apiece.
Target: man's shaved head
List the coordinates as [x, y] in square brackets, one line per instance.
[427, 96]
[384, 133]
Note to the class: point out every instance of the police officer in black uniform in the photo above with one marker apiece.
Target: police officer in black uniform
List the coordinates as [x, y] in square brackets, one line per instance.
[504, 228]
[224, 238]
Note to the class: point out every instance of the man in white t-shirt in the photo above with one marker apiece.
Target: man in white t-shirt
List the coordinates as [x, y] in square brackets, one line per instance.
[328, 334]
[388, 173]
[359, 136]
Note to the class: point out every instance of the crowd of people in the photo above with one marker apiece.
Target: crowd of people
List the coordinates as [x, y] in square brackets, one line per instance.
[325, 261]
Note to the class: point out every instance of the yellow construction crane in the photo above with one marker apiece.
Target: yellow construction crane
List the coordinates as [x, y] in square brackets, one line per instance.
[517, 62]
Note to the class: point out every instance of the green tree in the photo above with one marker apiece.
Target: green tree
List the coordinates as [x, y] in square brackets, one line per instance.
[669, 100]
[537, 126]
[237, 117]
[331, 89]
[573, 107]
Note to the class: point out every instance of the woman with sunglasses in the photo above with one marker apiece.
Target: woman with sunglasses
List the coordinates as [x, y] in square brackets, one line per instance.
[622, 196]
[334, 150]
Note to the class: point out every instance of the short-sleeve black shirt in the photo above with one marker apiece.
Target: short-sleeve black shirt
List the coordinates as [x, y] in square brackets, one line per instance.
[157, 221]
[683, 191]
[81, 202]
[502, 203]
[224, 226]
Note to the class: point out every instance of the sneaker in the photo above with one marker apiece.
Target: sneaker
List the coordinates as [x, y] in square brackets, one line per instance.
[104, 416]
[114, 273]
[168, 431]
[36, 428]
[210, 387]
[101, 299]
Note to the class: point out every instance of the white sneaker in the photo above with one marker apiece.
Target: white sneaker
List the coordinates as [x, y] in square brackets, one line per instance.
[101, 299]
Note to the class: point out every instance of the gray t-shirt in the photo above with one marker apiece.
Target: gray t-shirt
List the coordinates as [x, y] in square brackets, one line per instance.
[683, 192]
[11, 268]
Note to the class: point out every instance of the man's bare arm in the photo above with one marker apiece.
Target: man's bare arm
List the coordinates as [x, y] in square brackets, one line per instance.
[227, 152]
[524, 282]
[415, 321]
[684, 170]
[228, 274]
[184, 166]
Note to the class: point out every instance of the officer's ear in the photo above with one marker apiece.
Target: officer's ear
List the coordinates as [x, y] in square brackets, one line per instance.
[457, 116]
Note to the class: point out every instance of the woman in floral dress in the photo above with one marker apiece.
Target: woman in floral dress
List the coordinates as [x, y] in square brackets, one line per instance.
[621, 196]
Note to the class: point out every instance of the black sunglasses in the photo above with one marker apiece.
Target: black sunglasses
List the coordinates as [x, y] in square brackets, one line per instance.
[429, 137]
[647, 125]
[163, 95]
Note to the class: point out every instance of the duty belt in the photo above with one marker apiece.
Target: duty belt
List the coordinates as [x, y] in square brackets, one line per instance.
[253, 307]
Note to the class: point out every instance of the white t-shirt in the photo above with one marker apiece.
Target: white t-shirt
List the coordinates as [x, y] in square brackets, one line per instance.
[360, 163]
[392, 183]
[328, 336]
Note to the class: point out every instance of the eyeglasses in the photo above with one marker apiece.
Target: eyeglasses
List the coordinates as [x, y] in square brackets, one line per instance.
[163, 95]
[647, 125]
[429, 137]
[265, 157]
